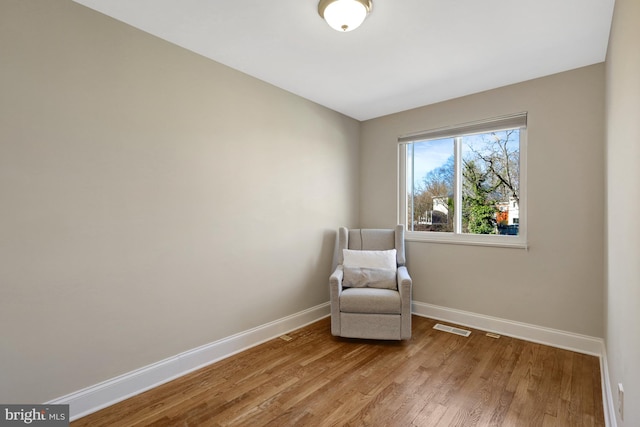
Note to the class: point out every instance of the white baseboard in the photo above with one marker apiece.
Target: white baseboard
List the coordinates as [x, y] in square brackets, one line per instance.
[538, 334]
[607, 396]
[99, 396]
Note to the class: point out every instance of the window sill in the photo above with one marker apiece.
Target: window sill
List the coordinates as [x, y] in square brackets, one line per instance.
[511, 242]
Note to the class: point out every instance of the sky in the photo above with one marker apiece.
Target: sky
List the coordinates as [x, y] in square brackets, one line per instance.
[430, 155]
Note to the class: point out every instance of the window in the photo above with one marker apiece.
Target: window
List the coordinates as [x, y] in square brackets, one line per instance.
[465, 184]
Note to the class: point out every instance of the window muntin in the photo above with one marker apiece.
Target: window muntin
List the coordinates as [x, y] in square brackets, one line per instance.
[468, 186]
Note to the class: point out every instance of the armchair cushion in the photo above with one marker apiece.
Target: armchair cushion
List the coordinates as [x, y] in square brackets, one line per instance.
[374, 269]
[370, 300]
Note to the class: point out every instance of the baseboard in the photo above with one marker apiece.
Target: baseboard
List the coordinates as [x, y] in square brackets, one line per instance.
[607, 395]
[538, 334]
[99, 396]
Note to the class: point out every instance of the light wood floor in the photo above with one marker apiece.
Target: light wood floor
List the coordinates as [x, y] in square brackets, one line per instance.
[435, 379]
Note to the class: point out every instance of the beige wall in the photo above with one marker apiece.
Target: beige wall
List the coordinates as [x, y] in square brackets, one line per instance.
[623, 208]
[152, 201]
[557, 283]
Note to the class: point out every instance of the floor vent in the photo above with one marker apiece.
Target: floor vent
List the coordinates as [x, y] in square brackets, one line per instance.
[452, 330]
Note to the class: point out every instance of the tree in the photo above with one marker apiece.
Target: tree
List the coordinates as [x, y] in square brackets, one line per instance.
[478, 210]
[491, 177]
[498, 153]
[438, 184]
[439, 181]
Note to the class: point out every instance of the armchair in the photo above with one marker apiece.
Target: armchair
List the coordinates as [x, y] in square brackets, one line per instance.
[370, 289]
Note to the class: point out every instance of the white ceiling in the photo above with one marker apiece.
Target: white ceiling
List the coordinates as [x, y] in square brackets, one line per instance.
[408, 53]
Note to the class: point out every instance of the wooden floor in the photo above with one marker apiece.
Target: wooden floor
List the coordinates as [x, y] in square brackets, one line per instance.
[435, 379]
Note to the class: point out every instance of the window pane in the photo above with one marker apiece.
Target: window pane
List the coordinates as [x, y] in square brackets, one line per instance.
[491, 183]
[430, 185]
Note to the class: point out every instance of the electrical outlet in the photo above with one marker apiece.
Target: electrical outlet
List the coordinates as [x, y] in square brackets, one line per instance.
[621, 401]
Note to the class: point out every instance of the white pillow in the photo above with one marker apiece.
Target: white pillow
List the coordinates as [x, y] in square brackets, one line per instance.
[373, 269]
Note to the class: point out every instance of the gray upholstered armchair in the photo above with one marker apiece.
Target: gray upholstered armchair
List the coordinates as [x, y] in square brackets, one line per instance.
[371, 288]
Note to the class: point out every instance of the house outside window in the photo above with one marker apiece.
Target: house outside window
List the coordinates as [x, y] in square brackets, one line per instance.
[465, 184]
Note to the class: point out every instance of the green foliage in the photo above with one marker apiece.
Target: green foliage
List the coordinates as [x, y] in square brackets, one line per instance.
[478, 208]
[481, 219]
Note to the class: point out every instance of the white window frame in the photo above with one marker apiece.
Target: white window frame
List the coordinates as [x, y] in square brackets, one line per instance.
[483, 126]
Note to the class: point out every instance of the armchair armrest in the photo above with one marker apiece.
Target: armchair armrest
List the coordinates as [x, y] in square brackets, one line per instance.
[335, 285]
[404, 286]
[335, 289]
[335, 280]
[404, 280]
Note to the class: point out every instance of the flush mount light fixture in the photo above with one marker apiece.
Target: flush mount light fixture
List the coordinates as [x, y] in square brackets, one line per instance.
[344, 15]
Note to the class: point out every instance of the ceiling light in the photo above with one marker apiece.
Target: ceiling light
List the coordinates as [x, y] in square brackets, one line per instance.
[344, 15]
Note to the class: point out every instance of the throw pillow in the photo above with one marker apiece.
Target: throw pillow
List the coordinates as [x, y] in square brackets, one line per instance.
[373, 269]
